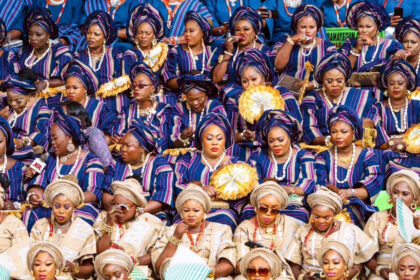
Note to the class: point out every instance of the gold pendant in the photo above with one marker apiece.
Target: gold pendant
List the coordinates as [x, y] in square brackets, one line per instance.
[345, 160]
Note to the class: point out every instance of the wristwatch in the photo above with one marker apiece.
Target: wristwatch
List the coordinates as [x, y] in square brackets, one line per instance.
[175, 240]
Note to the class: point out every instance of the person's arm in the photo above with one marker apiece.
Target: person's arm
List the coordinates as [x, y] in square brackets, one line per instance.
[122, 33]
[153, 207]
[84, 271]
[14, 34]
[283, 53]
[223, 268]
[296, 269]
[221, 68]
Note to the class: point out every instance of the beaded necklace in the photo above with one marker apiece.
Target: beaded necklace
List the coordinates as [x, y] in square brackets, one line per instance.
[233, 3]
[386, 228]
[330, 231]
[337, 13]
[108, 7]
[61, 11]
[404, 117]
[58, 166]
[399, 4]
[171, 13]
[194, 245]
[273, 233]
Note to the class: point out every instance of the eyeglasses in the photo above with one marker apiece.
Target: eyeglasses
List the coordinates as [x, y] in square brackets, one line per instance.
[266, 210]
[139, 85]
[260, 271]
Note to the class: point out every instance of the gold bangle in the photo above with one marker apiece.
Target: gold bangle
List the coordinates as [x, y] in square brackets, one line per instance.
[175, 241]
[378, 270]
[106, 229]
[76, 269]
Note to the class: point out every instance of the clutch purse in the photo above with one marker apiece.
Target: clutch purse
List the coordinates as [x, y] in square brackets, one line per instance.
[293, 84]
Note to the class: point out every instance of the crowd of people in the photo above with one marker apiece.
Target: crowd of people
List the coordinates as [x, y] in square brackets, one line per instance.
[116, 116]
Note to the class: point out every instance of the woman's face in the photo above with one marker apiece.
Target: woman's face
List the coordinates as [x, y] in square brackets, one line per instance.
[75, 89]
[268, 209]
[145, 35]
[193, 33]
[333, 265]
[278, 141]
[323, 218]
[142, 88]
[259, 269]
[307, 25]
[38, 37]
[63, 209]
[131, 150]
[213, 141]
[196, 99]
[367, 27]
[252, 77]
[244, 29]
[44, 267]
[59, 140]
[334, 83]
[95, 37]
[128, 209]
[403, 191]
[408, 269]
[397, 86]
[411, 42]
[16, 101]
[342, 134]
[192, 213]
[115, 272]
[3, 144]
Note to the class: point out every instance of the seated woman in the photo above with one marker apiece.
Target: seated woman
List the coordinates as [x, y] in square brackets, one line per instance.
[269, 228]
[397, 112]
[211, 241]
[9, 63]
[198, 91]
[127, 218]
[406, 261]
[252, 68]
[195, 56]
[353, 170]
[114, 263]
[368, 19]
[68, 157]
[304, 46]
[382, 226]
[304, 250]
[244, 26]
[262, 264]
[281, 160]
[332, 74]
[45, 261]
[335, 259]
[408, 34]
[28, 116]
[213, 139]
[74, 237]
[45, 59]
[139, 158]
[144, 107]
[13, 169]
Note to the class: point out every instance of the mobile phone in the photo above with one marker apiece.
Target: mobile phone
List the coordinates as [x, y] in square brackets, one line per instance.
[266, 13]
[253, 245]
[398, 11]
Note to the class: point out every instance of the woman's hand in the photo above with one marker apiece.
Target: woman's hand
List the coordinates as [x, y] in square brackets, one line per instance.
[5, 112]
[30, 173]
[115, 139]
[35, 197]
[395, 20]
[363, 40]
[299, 38]
[385, 272]
[249, 135]
[401, 54]
[308, 276]
[18, 143]
[211, 191]
[187, 133]
[40, 86]
[8, 205]
[111, 216]
[398, 145]
[69, 267]
[344, 194]
[229, 47]
[180, 230]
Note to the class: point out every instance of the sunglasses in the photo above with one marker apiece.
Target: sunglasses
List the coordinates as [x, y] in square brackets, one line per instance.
[266, 210]
[259, 271]
[139, 85]
[123, 207]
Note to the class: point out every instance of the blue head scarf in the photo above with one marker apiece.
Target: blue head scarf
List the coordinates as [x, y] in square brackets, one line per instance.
[257, 59]
[142, 68]
[145, 13]
[349, 116]
[144, 135]
[42, 18]
[405, 26]
[398, 66]
[278, 118]
[3, 32]
[105, 22]
[248, 14]
[84, 73]
[219, 120]
[202, 22]
[307, 10]
[7, 131]
[71, 126]
[199, 82]
[367, 8]
[25, 87]
[333, 61]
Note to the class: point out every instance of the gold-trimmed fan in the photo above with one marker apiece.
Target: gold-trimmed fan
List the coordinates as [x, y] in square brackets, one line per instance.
[414, 95]
[157, 56]
[53, 91]
[179, 151]
[255, 100]
[114, 87]
[234, 180]
[317, 148]
[412, 139]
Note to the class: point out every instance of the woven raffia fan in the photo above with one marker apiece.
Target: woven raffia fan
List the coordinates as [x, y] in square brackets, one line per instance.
[114, 87]
[412, 139]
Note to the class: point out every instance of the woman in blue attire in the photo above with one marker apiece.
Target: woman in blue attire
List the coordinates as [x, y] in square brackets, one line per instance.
[335, 12]
[409, 7]
[368, 19]
[332, 75]
[139, 158]
[292, 52]
[245, 27]
[68, 158]
[353, 170]
[9, 63]
[12, 12]
[41, 56]
[281, 160]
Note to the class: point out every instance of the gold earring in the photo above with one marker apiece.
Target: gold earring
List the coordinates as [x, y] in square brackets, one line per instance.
[346, 273]
[322, 274]
[205, 217]
[389, 201]
[57, 271]
[311, 219]
[70, 146]
[154, 42]
[413, 206]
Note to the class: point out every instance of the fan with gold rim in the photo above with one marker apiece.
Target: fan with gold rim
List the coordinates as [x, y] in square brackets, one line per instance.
[412, 139]
[114, 87]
